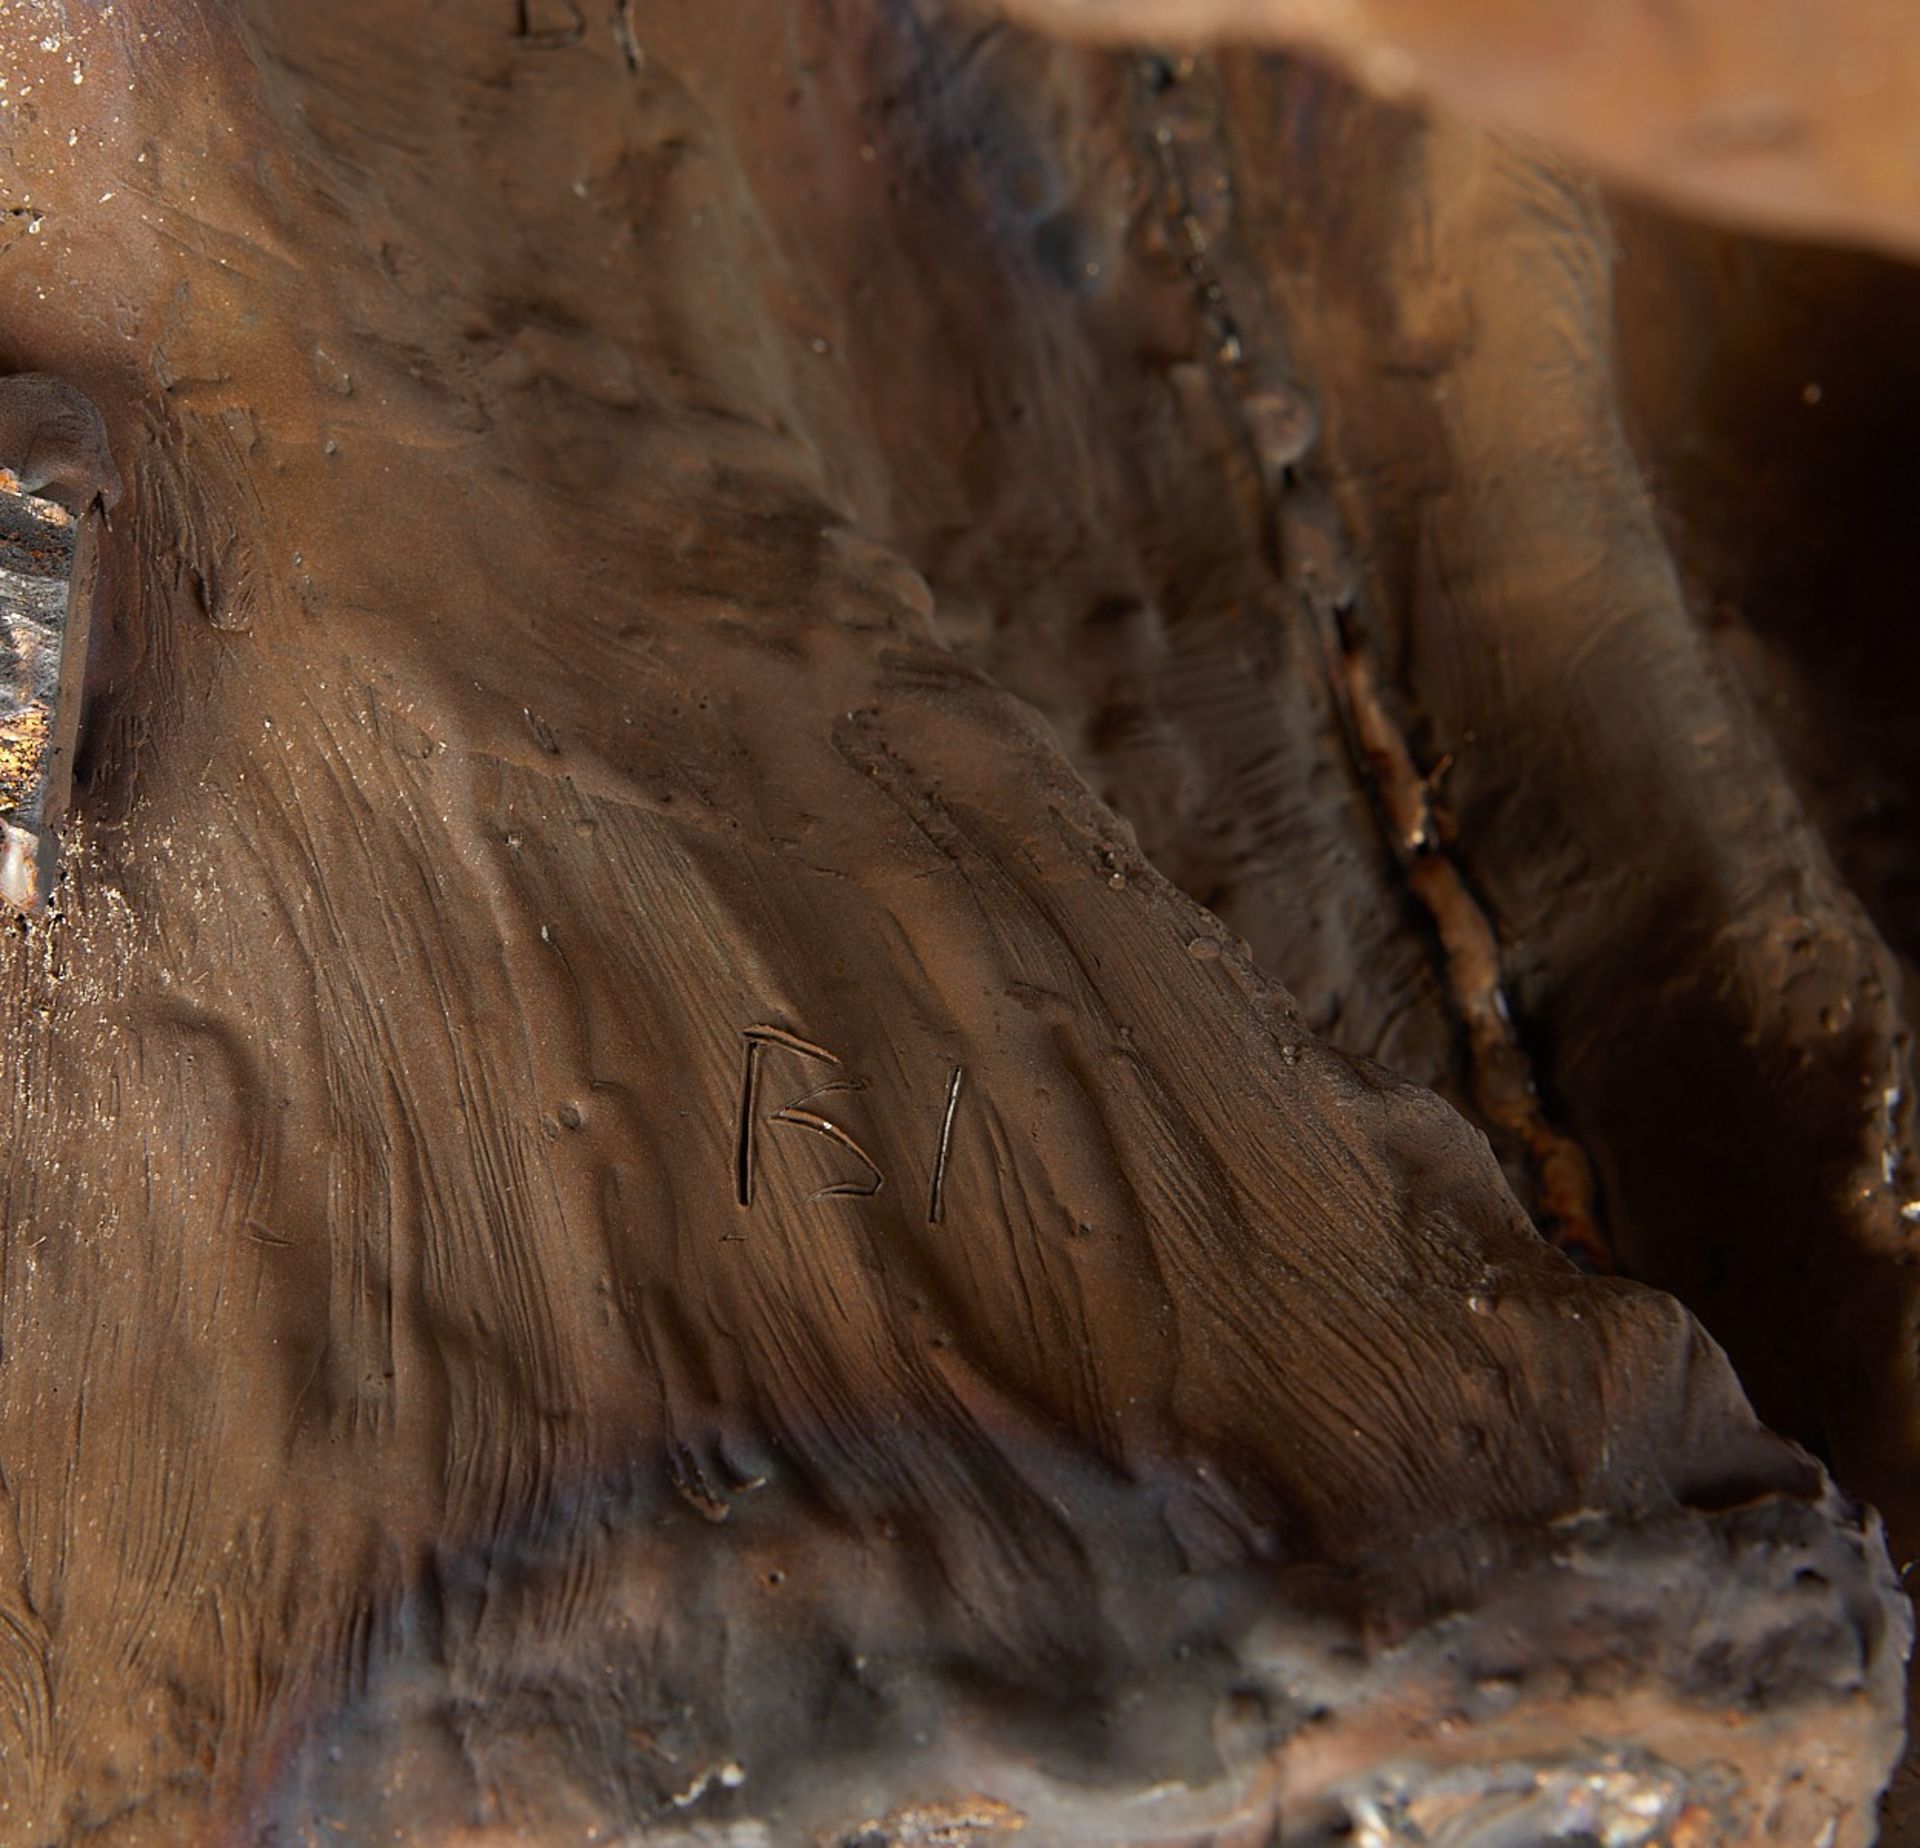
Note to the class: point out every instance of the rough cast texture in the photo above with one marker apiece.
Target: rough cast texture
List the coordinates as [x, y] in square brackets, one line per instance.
[632, 1208]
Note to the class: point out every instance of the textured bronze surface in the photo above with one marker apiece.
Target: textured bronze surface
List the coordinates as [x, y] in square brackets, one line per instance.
[661, 1185]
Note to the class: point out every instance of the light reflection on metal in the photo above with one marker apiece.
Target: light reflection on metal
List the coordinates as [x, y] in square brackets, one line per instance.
[46, 580]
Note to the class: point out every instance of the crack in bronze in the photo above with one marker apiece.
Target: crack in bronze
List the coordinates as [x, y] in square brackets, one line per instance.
[1500, 1070]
